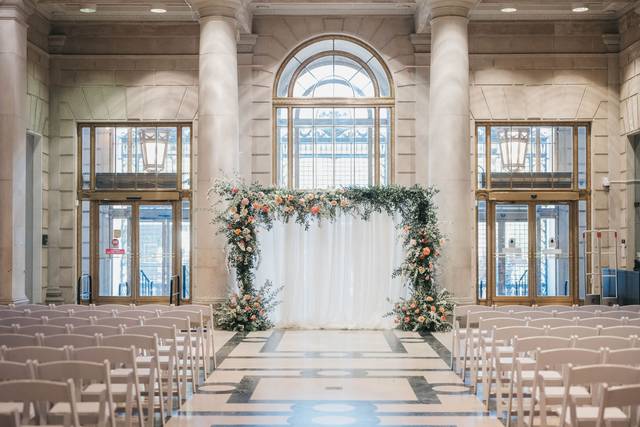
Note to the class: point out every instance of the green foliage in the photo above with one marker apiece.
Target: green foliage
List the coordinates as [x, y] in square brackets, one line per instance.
[242, 209]
[423, 311]
[249, 311]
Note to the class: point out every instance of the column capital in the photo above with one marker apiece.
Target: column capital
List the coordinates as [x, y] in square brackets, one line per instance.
[18, 10]
[612, 42]
[237, 10]
[462, 8]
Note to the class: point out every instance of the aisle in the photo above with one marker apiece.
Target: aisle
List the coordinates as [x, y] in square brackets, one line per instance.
[316, 378]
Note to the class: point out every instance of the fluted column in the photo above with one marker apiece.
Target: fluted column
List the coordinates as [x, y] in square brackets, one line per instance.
[449, 165]
[13, 157]
[218, 137]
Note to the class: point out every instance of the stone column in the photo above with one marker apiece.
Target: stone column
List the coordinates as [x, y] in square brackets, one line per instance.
[449, 163]
[218, 149]
[13, 133]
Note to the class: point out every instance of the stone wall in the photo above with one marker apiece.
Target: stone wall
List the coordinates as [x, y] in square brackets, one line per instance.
[390, 36]
[119, 88]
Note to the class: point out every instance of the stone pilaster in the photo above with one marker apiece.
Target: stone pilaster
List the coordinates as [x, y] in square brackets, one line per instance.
[449, 163]
[13, 155]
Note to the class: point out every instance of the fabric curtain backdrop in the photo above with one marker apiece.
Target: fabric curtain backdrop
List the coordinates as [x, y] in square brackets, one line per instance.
[336, 274]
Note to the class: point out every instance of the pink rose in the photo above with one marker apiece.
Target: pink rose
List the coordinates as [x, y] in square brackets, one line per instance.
[315, 210]
[244, 201]
[234, 190]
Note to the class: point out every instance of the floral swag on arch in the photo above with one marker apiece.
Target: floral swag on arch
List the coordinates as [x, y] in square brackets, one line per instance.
[242, 209]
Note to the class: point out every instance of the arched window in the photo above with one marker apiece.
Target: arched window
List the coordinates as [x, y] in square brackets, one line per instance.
[333, 110]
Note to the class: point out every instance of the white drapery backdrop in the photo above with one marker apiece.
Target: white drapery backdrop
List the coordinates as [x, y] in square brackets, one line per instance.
[336, 274]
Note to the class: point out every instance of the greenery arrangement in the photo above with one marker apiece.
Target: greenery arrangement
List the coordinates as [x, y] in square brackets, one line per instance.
[248, 312]
[241, 209]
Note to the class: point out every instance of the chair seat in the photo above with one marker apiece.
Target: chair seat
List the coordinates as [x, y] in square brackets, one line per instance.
[524, 361]
[590, 414]
[118, 391]
[86, 410]
[122, 374]
[555, 394]
[9, 407]
[145, 361]
[548, 376]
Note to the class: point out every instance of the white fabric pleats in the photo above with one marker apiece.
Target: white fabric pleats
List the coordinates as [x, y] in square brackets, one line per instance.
[335, 275]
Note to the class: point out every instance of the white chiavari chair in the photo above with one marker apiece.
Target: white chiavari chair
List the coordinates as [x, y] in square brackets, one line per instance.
[619, 397]
[551, 322]
[196, 320]
[472, 334]
[460, 313]
[206, 329]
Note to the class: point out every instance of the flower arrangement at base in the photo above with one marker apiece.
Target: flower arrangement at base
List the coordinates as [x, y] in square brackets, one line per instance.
[242, 210]
[423, 311]
[250, 311]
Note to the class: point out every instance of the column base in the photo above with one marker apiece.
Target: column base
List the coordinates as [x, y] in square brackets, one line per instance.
[54, 296]
[15, 301]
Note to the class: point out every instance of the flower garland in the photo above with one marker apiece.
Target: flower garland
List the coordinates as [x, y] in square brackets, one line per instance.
[241, 209]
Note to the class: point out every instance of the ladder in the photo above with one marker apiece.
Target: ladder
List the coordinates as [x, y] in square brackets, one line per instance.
[604, 263]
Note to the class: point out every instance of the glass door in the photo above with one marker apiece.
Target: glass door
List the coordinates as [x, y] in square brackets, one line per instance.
[532, 252]
[156, 252]
[135, 251]
[114, 252]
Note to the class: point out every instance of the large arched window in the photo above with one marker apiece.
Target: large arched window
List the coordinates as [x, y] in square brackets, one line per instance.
[333, 112]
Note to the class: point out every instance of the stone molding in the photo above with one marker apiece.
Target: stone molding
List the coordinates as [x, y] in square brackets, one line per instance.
[612, 42]
[18, 10]
[461, 8]
[237, 10]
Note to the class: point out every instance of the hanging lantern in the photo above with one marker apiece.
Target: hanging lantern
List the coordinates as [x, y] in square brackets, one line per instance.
[154, 148]
[514, 143]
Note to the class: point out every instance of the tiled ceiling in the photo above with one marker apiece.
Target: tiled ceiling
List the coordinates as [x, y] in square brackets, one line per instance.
[133, 10]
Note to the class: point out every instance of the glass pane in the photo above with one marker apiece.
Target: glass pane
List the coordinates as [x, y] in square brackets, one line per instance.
[186, 157]
[105, 157]
[512, 250]
[582, 227]
[282, 141]
[582, 157]
[482, 249]
[552, 246]
[481, 155]
[85, 248]
[185, 249]
[114, 250]
[385, 141]
[86, 157]
[156, 249]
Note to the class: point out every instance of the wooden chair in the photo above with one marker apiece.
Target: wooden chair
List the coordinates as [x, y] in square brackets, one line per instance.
[551, 322]
[18, 340]
[23, 321]
[554, 307]
[613, 399]
[120, 320]
[83, 373]
[41, 329]
[73, 321]
[51, 314]
[41, 394]
[125, 389]
[621, 331]
[68, 340]
[41, 354]
[612, 343]
[573, 331]
[604, 322]
[91, 330]
[625, 356]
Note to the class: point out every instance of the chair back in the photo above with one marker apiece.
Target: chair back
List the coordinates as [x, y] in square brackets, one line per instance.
[500, 322]
[182, 324]
[625, 356]
[18, 340]
[513, 308]
[619, 314]
[593, 308]
[558, 357]
[633, 322]
[621, 331]
[136, 313]
[120, 321]
[41, 354]
[473, 318]
[111, 307]
[41, 391]
[73, 340]
[117, 356]
[14, 371]
[631, 307]
[603, 373]
[33, 307]
[155, 307]
[162, 332]
[73, 321]
[142, 343]
[95, 329]
[551, 322]
[573, 314]
[74, 307]
[531, 344]
[532, 314]
[507, 334]
[41, 329]
[604, 322]
[98, 314]
[573, 331]
[13, 313]
[554, 307]
[624, 396]
[82, 372]
[195, 317]
[51, 314]
[612, 343]
[23, 321]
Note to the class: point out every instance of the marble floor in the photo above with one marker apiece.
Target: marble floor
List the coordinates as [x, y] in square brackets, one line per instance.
[332, 378]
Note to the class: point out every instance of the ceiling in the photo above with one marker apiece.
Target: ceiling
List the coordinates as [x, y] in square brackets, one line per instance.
[180, 10]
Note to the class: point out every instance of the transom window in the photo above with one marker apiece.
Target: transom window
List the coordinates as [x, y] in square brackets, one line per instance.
[333, 111]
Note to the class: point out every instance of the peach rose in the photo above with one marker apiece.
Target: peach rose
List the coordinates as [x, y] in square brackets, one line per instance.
[315, 209]
[426, 251]
[244, 201]
[433, 308]
[237, 231]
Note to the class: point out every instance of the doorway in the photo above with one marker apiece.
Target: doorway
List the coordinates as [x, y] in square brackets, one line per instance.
[135, 251]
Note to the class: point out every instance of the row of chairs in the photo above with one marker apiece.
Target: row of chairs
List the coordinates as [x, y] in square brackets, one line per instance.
[134, 371]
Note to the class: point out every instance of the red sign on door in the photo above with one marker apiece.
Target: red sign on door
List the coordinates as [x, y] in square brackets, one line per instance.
[115, 243]
[114, 251]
